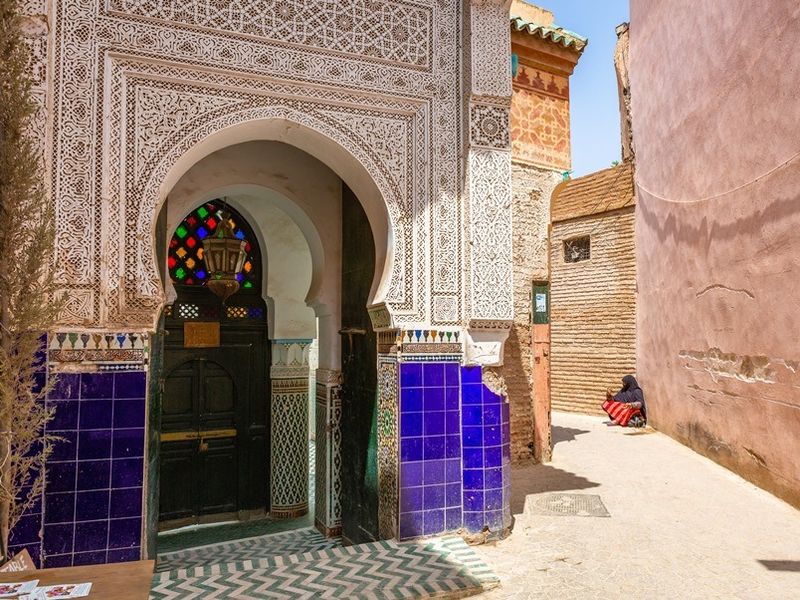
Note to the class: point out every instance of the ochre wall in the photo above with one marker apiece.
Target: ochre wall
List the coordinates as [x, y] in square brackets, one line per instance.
[540, 118]
[715, 111]
[592, 311]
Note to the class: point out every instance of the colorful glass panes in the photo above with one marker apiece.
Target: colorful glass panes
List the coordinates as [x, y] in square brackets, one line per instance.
[185, 258]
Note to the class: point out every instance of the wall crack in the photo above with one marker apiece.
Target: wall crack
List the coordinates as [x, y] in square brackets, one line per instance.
[719, 286]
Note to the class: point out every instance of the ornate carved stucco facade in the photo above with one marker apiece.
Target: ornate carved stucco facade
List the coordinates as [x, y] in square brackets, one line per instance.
[135, 87]
[407, 101]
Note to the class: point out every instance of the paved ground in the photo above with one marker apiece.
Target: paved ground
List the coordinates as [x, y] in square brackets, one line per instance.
[680, 526]
[302, 565]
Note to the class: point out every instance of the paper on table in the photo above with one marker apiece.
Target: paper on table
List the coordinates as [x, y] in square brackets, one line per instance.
[14, 590]
[60, 592]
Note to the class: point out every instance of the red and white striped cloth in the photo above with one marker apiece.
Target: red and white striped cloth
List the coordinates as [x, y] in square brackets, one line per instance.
[620, 412]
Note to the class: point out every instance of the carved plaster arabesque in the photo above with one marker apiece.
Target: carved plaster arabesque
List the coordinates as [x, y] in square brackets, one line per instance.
[350, 26]
[490, 210]
[490, 41]
[489, 176]
[401, 203]
[89, 42]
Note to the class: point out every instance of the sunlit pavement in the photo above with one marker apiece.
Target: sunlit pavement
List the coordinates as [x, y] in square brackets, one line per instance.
[680, 525]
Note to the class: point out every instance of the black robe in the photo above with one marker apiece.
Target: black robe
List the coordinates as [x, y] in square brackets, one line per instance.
[630, 392]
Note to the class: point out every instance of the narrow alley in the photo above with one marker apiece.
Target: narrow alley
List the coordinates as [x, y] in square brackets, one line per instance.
[680, 526]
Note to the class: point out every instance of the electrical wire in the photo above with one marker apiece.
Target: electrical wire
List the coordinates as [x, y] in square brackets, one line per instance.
[721, 194]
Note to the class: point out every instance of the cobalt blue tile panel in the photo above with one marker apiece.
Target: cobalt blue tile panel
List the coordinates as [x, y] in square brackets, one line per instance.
[93, 495]
[430, 448]
[486, 455]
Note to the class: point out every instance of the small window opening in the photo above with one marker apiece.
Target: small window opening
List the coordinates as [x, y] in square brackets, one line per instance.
[577, 249]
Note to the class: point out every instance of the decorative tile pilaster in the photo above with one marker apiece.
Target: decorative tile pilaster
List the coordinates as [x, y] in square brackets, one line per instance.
[289, 429]
[388, 451]
[328, 494]
[430, 448]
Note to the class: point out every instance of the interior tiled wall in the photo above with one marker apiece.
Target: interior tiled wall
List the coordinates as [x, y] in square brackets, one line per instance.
[93, 495]
[430, 448]
[487, 455]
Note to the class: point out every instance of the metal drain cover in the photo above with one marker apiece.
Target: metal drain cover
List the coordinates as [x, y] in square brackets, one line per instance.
[567, 505]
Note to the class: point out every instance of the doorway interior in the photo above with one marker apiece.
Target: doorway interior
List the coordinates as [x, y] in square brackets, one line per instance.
[218, 467]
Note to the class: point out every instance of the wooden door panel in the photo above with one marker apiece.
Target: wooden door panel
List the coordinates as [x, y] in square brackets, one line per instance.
[178, 404]
[218, 398]
[177, 498]
[219, 477]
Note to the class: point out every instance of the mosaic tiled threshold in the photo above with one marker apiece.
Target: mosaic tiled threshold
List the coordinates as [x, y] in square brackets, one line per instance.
[296, 541]
[437, 567]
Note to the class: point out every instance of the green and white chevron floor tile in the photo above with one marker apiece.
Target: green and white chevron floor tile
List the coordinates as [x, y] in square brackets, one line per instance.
[285, 543]
[438, 567]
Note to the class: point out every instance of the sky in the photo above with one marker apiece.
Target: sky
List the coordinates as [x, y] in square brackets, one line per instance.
[593, 86]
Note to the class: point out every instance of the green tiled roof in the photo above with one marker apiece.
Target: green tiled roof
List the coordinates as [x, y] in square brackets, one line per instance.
[565, 37]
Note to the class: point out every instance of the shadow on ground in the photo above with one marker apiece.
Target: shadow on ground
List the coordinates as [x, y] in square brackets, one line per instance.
[536, 479]
[781, 565]
[565, 434]
[192, 537]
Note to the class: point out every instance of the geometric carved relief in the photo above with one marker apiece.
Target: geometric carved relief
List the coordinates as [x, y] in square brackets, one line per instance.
[393, 30]
[489, 126]
[490, 41]
[540, 130]
[489, 162]
[139, 84]
[491, 234]
[161, 113]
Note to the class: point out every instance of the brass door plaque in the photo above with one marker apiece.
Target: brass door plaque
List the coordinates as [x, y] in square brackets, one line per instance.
[201, 334]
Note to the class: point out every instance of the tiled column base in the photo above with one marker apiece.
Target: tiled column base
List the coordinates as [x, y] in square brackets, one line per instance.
[486, 455]
[430, 449]
[327, 498]
[289, 448]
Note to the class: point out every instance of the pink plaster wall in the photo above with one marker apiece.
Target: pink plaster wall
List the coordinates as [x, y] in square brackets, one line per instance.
[716, 105]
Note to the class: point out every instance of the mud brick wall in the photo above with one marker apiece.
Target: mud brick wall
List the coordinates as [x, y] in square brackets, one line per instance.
[593, 311]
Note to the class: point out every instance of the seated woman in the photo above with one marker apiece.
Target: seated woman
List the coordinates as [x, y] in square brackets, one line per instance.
[626, 407]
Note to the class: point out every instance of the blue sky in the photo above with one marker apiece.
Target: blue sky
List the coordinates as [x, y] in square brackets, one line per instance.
[593, 86]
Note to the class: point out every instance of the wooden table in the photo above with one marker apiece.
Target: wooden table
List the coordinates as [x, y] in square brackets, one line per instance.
[117, 581]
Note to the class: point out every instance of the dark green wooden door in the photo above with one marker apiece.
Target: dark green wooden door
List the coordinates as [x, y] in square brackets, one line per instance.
[359, 378]
[199, 438]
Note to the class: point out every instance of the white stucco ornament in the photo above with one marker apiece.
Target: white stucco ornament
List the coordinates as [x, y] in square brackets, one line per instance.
[485, 343]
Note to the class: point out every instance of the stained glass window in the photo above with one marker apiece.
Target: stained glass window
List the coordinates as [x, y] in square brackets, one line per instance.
[185, 257]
